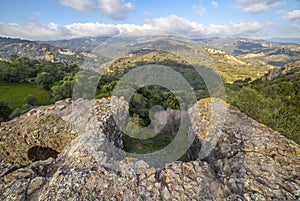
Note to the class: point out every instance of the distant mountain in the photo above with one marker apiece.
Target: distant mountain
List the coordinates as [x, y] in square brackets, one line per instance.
[234, 46]
[82, 44]
[5, 40]
[235, 58]
[238, 46]
[258, 52]
[285, 40]
[228, 66]
[277, 56]
[41, 50]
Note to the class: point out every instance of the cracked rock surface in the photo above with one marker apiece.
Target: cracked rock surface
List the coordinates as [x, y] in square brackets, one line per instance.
[232, 157]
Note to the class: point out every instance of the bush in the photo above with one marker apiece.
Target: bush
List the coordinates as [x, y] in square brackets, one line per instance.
[45, 80]
[63, 91]
[17, 112]
[31, 100]
[4, 111]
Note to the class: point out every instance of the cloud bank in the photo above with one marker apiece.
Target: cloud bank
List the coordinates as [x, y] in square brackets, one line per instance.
[157, 26]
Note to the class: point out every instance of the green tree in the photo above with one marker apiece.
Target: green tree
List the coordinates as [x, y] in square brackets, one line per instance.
[31, 100]
[45, 80]
[63, 91]
[4, 111]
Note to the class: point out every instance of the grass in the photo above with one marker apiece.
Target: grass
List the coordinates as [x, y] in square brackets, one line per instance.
[14, 93]
[140, 146]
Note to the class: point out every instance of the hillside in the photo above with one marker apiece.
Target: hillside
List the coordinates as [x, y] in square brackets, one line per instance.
[278, 56]
[272, 100]
[228, 66]
[232, 68]
[41, 50]
[87, 44]
[239, 46]
[247, 160]
[257, 52]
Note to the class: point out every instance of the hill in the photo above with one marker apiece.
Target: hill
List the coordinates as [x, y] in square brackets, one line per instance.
[228, 66]
[41, 50]
[239, 46]
[278, 56]
[87, 44]
[272, 100]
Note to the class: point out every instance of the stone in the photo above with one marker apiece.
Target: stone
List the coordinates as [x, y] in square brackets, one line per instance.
[18, 174]
[35, 184]
[235, 164]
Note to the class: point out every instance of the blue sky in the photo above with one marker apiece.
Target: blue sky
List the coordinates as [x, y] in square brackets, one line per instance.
[65, 19]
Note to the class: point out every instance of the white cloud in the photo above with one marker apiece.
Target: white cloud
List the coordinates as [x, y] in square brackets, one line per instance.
[244, 29]
[215, 4]
[78, 30]
[199, 10]
[292, 15]
[34, 31]
[79, 4]
[256, 6]
[114, 9]
[157, 26]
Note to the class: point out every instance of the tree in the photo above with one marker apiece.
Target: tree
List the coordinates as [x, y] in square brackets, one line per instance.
[45, 80]
[31, 100]
[4, 111]
[63, 91]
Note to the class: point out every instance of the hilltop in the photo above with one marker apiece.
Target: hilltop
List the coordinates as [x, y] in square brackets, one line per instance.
[247, 161]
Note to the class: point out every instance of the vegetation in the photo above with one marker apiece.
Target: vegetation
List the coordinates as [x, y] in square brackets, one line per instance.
[45, 80]
[14, 94]
[274, 103]
[25, 83]
[4, 111]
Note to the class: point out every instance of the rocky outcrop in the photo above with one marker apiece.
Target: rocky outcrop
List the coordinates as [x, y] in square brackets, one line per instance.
[48, 56]
[275, 72]
[224, 57]
[232, 158]
[43, 127]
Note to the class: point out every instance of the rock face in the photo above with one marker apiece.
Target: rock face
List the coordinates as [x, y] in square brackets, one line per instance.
[232, 158]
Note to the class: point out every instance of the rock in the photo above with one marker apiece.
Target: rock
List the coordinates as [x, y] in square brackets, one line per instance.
[232, 158]
[35, 184]
[17, 174]
[166, 194]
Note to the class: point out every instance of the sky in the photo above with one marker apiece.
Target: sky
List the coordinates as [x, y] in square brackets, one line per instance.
[67, 19]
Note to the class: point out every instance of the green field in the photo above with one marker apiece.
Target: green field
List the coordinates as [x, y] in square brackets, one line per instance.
[14, 93]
